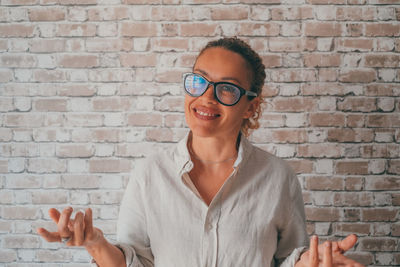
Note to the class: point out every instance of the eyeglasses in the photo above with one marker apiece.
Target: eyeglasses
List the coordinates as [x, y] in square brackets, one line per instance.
[226, 93]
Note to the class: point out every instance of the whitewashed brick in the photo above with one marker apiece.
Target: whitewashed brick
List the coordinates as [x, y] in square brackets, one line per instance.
[23, 75]
[324, 166]
[77, 166]
[387, 75]
[23, 103]
[22, 135]
[23, 197]
[16, 165]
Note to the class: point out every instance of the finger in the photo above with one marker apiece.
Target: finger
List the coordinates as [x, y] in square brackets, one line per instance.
[79, 227]
[345, 244]
[54, 215]
[64, 221]
[327, 258]
[314, 251]
[49, 236]
[88, 223]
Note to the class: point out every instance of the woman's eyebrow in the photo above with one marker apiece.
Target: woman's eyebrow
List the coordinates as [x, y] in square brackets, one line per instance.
[223, 78]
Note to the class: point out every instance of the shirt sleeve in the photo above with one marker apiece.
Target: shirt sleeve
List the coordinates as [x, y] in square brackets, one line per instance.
[132, 237]
[293, 238]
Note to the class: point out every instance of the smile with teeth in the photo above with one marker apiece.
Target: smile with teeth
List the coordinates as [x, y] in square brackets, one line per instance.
[206, 114]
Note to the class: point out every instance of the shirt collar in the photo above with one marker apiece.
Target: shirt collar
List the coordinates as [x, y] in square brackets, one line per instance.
[185, 164]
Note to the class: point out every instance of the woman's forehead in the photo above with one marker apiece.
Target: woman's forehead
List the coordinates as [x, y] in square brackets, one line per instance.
[218, 63]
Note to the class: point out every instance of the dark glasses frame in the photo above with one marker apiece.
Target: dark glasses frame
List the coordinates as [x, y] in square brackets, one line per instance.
[242, 91]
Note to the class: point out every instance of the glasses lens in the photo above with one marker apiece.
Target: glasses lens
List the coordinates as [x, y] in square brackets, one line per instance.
[227, 93]
[195, 85]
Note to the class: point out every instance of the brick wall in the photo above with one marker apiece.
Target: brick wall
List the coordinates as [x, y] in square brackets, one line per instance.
[88, 88]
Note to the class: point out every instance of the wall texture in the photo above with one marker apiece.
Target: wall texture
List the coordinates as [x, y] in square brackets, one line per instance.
[89, 87]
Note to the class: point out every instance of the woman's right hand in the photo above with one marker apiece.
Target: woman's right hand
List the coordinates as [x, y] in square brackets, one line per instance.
[78, 230]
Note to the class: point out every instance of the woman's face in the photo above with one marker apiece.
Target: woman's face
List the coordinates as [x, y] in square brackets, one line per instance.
[205, 116]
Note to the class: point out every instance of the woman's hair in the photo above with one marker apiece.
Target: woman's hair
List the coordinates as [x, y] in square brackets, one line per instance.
[257, 78]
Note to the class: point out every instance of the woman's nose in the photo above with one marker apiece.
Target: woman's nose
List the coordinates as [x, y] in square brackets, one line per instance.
[209, 94]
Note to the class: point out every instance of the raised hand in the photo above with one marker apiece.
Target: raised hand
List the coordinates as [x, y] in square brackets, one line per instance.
[328, 254]
[79, 231]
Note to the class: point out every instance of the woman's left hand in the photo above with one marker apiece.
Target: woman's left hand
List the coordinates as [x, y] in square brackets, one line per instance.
[328, 254]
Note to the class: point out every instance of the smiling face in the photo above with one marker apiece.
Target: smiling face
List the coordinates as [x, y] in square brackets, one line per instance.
[204, 115]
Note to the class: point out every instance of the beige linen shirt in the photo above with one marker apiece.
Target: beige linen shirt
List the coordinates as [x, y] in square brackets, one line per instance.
[256, 219]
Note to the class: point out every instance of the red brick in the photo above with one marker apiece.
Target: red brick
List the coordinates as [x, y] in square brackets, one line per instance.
[76, 90]
[357, 76]
[272, 60]
[382, 183]
[199, 29]
[361, 104]
[294, 75]
[18, 60]
[78, 61]
[289, 104]
[353, 199]
[380, 151]
[291, 13]
[170, 44]
[292, 44]
[355, 29]
[324, 183]
[325, 29]
[107, 135]
[322, 60]
[138, 60]
[352, 228]
[382, 61]
[139, 29]
[160, 135]
[354, 183]
[47, 14]
[378, 244]
[355, 120]
[355, 44]
[352, 167]
[109, 165]
[229, 13]
[327, 119]
[383, 120]
[144, 119]
[289, 135]
[394, 166]
[382, 29]
[322, 89]
[319, 151]
[355, 13]
[379, 89]
[322, 214]
[350, 135]
[171, 13]
[351, 215]
[16, 30]
[47, 46]
[301, 165]
[74, 151]
[50, 105]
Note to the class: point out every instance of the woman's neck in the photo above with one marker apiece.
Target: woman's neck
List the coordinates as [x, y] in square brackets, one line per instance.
[213, 150]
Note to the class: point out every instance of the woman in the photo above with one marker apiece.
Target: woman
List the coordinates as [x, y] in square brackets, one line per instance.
[215, 200]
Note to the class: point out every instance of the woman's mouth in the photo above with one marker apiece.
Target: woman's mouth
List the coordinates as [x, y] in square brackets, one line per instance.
[206, 114]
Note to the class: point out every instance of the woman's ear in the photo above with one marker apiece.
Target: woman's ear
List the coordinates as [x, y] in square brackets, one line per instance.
[252, 108]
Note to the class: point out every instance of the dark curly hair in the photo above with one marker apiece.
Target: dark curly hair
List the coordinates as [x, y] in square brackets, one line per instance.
[257, 78]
